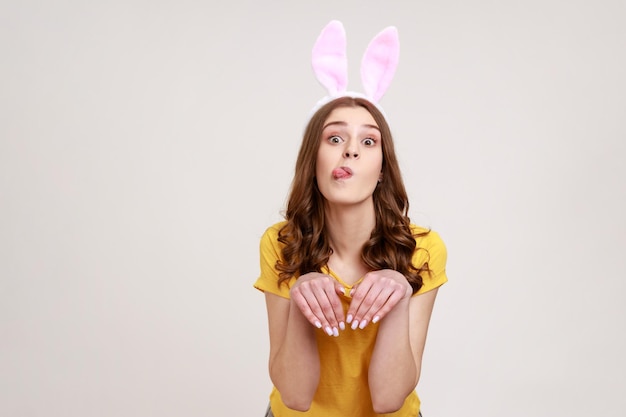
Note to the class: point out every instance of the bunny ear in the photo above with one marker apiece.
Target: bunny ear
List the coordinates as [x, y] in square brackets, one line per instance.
[380, 62]
[329, 58]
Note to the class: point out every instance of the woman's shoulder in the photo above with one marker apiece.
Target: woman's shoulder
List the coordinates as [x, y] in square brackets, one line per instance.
[431, 252]
[426, 237]
[270, 235]
[272, 230]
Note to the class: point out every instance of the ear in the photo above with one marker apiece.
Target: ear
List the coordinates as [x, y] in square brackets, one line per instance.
[329, 60]
[380, 62]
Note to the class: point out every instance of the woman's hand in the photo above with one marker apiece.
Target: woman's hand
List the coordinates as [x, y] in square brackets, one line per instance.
[376, 295]
[317, 297]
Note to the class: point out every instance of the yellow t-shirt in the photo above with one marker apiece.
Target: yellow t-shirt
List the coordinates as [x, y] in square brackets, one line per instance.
[344, 361]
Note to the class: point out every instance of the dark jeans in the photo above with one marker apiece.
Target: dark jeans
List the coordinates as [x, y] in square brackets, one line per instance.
[269, 413]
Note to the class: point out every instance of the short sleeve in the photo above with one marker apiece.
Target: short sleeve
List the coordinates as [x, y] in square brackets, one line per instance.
[269, 254]
[431, 251]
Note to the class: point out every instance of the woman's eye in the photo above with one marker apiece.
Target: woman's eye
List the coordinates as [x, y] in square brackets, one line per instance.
[369, 142]
[335, 139]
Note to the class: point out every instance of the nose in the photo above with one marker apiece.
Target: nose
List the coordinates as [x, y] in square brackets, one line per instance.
[351, 150]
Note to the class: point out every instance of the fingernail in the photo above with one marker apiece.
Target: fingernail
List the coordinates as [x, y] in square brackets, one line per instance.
[363, 324]
[349, 319]
[328, 330]
[342, 326]
[375, 319]
[335, 332]
[318, 324]
[355, 324]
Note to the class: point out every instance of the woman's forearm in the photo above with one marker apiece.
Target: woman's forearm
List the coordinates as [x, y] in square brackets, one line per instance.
[393, 373]
[295, 369]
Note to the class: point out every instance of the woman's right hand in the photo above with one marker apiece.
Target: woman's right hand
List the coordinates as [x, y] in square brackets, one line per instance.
[317, 296]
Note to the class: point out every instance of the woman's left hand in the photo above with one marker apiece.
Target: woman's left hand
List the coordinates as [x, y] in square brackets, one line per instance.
[376, 295]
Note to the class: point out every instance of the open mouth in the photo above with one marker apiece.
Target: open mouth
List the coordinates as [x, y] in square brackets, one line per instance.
[342, 173]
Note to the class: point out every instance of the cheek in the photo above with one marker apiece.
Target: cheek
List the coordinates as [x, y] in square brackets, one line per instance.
[377, 162]
[322, 162]
[318, 166]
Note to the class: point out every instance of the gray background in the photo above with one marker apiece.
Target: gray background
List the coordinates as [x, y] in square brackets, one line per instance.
[146, 145]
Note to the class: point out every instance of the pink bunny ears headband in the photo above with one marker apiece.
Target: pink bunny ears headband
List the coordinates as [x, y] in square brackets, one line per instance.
[378, 66]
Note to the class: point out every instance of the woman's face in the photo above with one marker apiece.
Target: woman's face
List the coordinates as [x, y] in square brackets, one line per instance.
[350, 156]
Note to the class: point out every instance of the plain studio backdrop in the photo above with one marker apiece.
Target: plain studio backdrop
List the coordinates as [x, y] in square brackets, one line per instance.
[146, 145]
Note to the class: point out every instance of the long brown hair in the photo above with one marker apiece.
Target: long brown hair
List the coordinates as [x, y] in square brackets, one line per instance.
[306, 247]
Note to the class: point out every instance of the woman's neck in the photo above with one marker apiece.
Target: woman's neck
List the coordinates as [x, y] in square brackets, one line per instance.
[349, 227]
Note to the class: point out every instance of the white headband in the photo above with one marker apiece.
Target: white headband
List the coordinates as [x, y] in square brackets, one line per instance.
[378, 66]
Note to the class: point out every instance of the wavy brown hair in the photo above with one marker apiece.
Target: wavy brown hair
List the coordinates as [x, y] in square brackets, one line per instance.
[306, 247]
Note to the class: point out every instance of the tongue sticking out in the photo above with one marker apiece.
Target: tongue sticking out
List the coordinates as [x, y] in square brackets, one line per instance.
[341, 173]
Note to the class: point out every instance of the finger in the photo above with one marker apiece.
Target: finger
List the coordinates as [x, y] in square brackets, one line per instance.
[359, 296]
[391, 302]
[328, 307]
[373, 300]
[300, 296]
[336, 305]
[354, 305]
[340, 290]
[358, 293]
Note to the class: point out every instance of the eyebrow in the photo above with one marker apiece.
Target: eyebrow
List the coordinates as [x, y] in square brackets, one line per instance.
[339, 123]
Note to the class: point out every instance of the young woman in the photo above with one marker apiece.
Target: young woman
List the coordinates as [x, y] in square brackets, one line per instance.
[349, 282]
